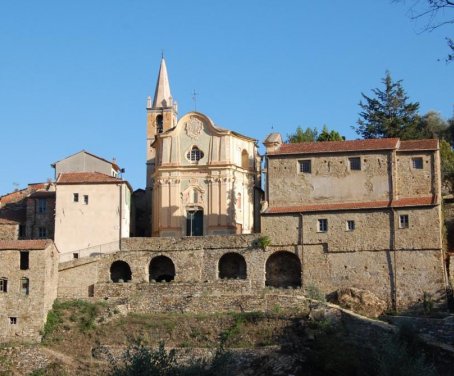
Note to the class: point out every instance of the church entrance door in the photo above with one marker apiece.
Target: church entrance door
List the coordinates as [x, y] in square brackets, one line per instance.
[194, 223]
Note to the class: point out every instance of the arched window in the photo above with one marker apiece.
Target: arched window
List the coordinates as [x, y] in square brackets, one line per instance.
[195, 154]
[161, 269]
[25, 285]
[283, 269]
[232, 266]
[159, 123]
[120, 272]
[245, 159]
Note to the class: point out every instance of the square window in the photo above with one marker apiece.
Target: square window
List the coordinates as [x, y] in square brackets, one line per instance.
[350, 225]
[403, 221]
[305, 166]
[75, 255]
[42, 232]
[24, 259]
[3, 285]
[417, 163]
[76, 197]
[13, 320]
[25, 285]
[42, 205]
[355, 163]
[322, 225]
[86, 199]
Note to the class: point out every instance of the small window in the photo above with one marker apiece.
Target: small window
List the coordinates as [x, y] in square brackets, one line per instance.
[42, 205]
[25, 285]
[322, 225]
[195, 154]
[355, 163]
[350, 225]
[42, 233]
[76, 197]
[305, 166]
[417, 163]
[75, 255]
[3, 285]
[24, 260]
[86, 199]
[403, 221]
[22, 231]
[13, 320]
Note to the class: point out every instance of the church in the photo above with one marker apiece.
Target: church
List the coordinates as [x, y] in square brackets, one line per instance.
[201, 179]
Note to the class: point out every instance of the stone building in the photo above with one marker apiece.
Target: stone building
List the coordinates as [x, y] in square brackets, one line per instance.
[28, 287]
[201, 179]
[365, 213]
[92, 213]
[28, 213]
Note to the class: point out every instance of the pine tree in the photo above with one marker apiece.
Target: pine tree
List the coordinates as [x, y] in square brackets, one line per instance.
[388, 114]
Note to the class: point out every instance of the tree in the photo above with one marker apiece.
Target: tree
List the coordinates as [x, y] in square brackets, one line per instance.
[431, 125]
[300, 135]
[312, 135]
[388, 114]
[326, 135]
[433, 14]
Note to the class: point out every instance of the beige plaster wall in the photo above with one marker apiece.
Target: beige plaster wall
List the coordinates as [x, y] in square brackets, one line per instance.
[79, 226]
[83, 162]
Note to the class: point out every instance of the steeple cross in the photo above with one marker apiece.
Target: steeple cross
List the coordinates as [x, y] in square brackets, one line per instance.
[194, 99]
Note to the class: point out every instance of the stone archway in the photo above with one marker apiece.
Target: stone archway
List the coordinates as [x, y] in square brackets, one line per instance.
[283, 269]
[161, 269]
[232, 266]
[120, 272]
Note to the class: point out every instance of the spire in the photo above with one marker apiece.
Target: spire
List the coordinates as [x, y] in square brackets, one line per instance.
[162, 95]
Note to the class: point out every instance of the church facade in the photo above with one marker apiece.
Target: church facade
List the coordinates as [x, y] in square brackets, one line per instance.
[201, 179]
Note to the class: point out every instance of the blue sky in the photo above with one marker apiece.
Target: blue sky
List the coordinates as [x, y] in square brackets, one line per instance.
[75, 74]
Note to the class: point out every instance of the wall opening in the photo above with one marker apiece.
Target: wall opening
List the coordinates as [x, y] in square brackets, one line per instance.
[24, 260]
[283, 269]
[245, 159]
[232, 266]
[120, 272]
[159, 123]
[194, 223]
[161, 269]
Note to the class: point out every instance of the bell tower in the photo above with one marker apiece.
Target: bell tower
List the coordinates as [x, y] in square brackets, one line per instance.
[161, 116]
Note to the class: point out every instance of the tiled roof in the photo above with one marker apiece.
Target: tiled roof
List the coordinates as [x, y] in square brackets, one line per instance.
[337, 146]
[411, 145]
[5, 221]
[86, 178]
[24, 244]
[20, 194]
[403, 202]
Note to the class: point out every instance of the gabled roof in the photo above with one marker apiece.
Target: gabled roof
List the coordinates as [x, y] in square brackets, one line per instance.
[114, 165]
[24, 244]
[86, 177]
[337, 146]
[355, 146]
[401, 203]
[413, 145]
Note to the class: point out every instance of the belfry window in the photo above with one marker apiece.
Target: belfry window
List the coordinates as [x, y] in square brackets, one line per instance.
[195, 154]
[159, 123]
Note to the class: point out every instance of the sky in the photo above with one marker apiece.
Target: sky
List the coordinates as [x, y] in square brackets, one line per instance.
[75, 75]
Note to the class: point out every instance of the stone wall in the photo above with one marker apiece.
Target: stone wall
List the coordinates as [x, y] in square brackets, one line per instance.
[9, 231]
[413, 182]
[22, 314]
[288, 186]
[403, 275]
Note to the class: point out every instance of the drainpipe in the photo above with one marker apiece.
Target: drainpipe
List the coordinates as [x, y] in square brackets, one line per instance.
[121, 215]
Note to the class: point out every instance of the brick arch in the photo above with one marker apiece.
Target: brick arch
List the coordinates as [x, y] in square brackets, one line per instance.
[283, 269]
[232, 265]
[120, 271]
[161, 268]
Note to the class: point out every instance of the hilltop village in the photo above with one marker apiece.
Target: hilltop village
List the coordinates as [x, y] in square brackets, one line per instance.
[207, 234]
